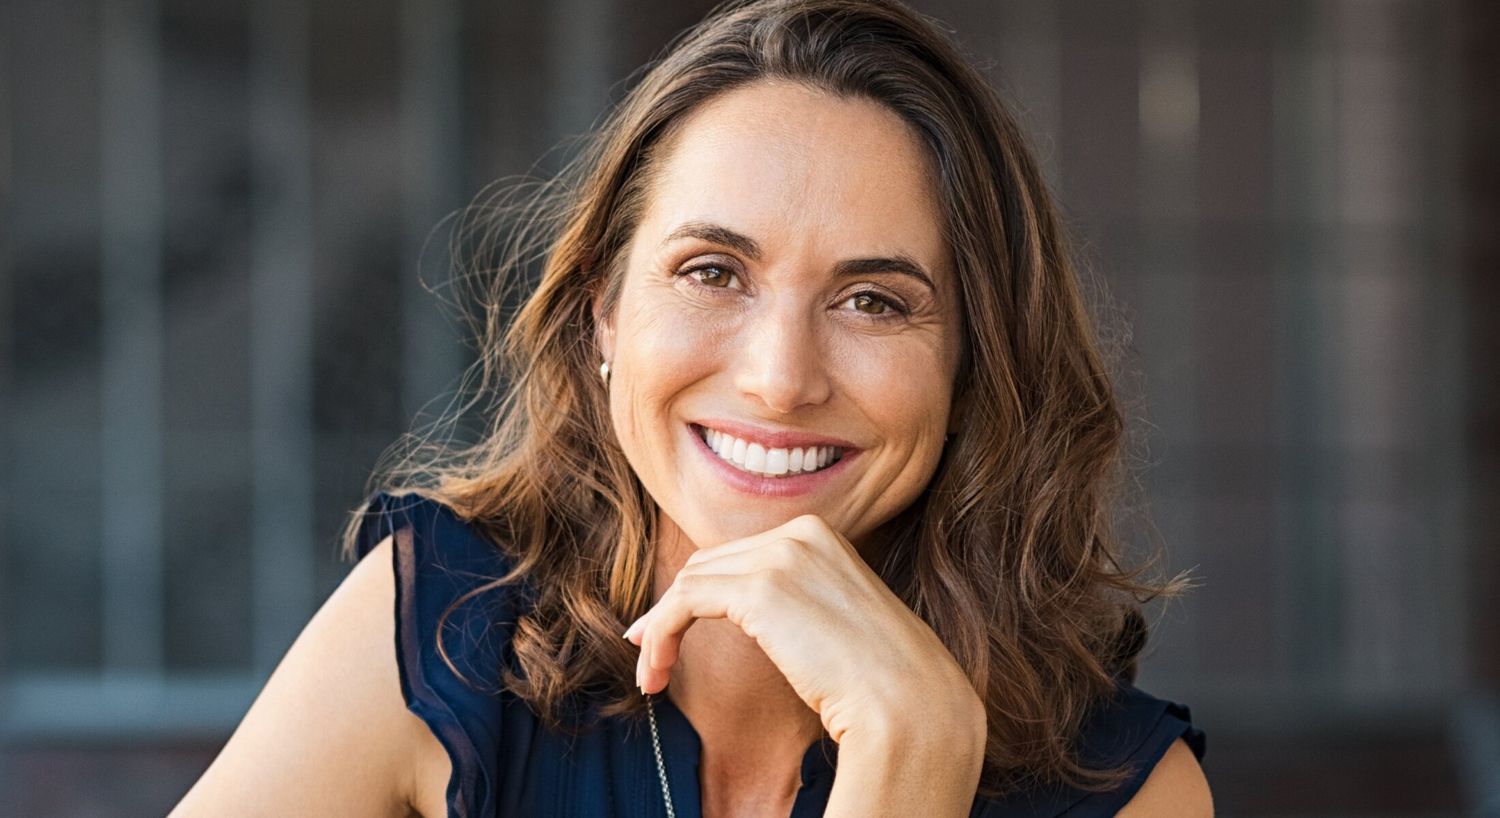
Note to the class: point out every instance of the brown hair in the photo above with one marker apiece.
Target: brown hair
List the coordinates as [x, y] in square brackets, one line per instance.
[1009, 554]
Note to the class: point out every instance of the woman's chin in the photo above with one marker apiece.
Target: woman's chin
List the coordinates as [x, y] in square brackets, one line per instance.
[722, 524]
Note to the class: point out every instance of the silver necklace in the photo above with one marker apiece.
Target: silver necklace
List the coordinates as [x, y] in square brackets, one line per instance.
[661, 767]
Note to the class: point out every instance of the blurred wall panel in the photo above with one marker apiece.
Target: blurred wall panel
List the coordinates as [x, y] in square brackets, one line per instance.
[224, 293]
[52, 400]
[1477, 503]
[206, 292]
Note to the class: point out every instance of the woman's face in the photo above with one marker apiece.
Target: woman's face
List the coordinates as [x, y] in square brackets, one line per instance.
[788, 290]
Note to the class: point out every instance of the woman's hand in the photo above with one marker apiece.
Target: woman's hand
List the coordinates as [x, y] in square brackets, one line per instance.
[849, 647]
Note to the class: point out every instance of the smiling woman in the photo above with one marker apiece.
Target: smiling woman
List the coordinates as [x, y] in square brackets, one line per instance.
[784, 317]
[806, 393]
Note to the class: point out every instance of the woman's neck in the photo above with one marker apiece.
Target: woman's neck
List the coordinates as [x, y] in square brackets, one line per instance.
[742, 707]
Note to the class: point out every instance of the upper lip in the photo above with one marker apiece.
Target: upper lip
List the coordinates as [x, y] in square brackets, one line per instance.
[774, 438]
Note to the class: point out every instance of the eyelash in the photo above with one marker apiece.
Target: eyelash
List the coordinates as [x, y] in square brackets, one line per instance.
[897, 311]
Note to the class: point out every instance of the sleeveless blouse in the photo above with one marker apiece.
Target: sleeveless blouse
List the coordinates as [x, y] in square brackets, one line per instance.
[506, 763]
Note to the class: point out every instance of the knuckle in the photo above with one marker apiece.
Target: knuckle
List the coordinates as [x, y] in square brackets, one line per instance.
[787, 550]
[811, 527]
[765, 583]
[686, 587]
[811, 522]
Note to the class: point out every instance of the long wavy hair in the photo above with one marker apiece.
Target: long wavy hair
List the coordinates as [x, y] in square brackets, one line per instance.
[1010, 554]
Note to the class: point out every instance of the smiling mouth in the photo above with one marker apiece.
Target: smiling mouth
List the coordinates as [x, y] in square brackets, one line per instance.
[753, 458]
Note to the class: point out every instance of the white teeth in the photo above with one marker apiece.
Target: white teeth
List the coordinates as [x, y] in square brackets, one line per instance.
[755, 458]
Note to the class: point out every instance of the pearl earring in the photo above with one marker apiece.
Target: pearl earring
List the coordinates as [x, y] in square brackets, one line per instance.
[604, 371]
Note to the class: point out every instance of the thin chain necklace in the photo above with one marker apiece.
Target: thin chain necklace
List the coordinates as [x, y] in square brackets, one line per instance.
[661, 767]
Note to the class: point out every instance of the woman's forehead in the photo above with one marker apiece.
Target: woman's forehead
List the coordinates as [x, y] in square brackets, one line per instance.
[792, 166]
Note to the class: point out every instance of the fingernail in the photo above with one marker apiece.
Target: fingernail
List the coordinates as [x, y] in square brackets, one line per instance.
[630, 631]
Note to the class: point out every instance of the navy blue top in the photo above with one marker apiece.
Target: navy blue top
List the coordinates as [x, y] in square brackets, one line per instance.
[505, 763]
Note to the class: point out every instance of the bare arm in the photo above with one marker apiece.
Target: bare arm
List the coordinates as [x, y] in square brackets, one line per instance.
[1176, 786]
[329, 734]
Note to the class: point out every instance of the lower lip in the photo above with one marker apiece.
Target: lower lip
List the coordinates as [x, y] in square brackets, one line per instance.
[785, 486]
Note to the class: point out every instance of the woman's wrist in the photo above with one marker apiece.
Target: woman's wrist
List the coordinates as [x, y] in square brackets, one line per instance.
[924, 759]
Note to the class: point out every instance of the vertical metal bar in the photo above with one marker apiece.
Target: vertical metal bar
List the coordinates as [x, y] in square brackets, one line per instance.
[1031, 63]
[7, 121]
[1387, 546]
[580, 52]
[7, 302]
[1449, 317]
[281, 298]
[1310, 587]
[431, 118]
[1169, 137]
[131, 287]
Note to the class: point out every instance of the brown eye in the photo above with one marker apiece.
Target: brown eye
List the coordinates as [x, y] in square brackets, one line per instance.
[871, 304]
[711, 276]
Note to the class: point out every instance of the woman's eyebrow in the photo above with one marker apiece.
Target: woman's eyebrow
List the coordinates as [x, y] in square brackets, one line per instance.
[870, 266]
[715, 234]
[719, 234]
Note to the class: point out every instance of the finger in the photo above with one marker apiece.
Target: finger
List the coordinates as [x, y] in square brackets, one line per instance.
[808, 528]
[731, 547]
[780, 552]
[640, 667]
[693, 597]
[812, 530]
[633, 633]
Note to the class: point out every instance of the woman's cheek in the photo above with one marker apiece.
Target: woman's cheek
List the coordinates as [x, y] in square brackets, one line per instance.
[904, 388]
[662, 350]
[679, 342]
[907, 376]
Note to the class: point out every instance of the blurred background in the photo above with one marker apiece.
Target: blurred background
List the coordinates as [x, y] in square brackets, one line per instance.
[212, 324]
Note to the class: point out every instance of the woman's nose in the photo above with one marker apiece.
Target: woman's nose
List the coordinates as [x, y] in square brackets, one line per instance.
[781, 361]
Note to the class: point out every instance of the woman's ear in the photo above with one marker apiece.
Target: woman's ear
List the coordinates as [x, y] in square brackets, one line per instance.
[604, 331]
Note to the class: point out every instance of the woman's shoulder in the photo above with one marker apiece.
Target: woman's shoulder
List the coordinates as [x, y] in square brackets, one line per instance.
[1156, 739]
[1143, 733]
[328, 728]
[1132, 722]
[1175, 784]
[432, 528]
[454, 619]
[456, 601]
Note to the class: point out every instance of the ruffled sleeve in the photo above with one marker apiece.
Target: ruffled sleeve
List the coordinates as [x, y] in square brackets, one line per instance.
[1131, 728]
[1134, 728]
[439, 560]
